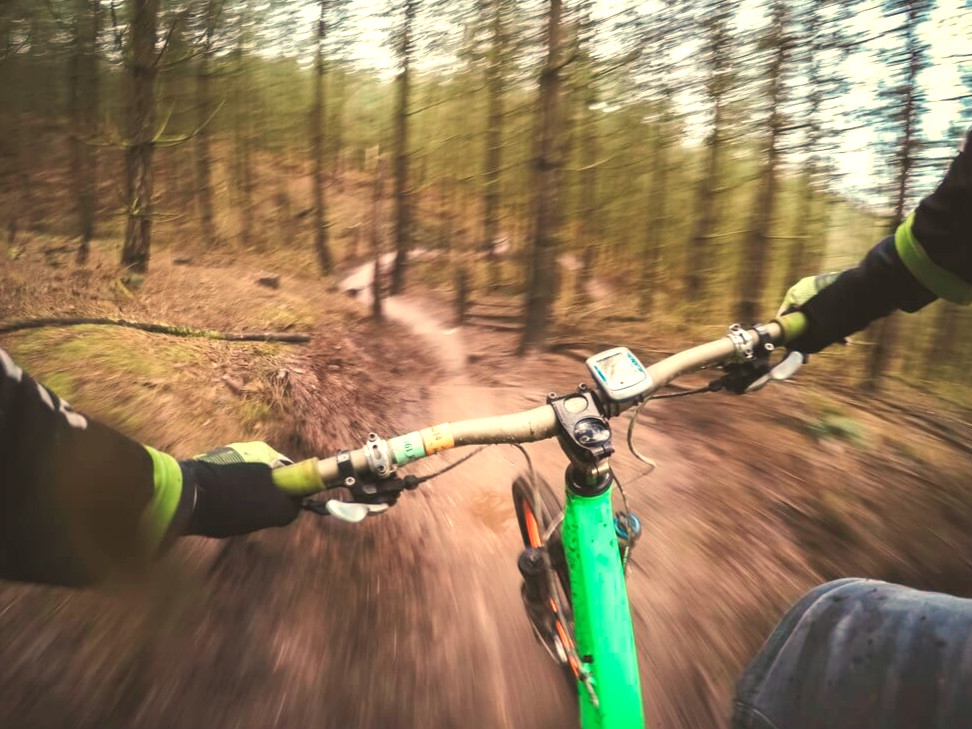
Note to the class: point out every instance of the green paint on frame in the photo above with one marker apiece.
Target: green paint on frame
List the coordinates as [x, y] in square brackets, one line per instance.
[602, 616]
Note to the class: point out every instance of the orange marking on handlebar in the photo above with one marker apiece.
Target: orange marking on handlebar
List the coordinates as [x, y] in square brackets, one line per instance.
[437, 438]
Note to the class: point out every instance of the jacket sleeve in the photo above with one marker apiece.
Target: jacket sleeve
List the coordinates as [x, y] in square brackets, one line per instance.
[79, 500]
[929, 256]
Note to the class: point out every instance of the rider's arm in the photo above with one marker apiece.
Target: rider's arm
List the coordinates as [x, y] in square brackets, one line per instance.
[80, 500]
[928, 257]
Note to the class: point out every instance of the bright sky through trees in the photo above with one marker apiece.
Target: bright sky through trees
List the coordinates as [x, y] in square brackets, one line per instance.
[948, 33]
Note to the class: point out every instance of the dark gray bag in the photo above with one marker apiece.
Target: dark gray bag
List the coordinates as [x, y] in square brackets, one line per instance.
[858, 654]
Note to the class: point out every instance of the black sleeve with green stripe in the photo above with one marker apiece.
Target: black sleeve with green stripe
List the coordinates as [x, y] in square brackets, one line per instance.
[78, 500]
[935, 242]
[929, 256]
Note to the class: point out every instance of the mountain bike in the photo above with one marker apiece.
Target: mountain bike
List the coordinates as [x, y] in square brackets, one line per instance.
[574, 557]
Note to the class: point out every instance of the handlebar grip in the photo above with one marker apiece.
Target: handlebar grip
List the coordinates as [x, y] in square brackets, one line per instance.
[793, 325]
[299, 479]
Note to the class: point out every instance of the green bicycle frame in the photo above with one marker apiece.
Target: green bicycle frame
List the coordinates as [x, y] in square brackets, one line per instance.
[602, 616]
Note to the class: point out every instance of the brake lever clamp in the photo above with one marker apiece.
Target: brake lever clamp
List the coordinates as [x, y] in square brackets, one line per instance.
[383, 493]
[741, 375]
[756, 371]
[742, 342]
[755, 365]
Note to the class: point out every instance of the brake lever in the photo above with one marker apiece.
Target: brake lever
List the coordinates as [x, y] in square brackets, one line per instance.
[351, 511]
[742, 378]
[779, 373]
[347, 511]
[367, 498]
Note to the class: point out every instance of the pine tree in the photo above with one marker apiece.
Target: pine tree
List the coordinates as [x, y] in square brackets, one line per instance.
[547, 173]
[403, 212]
[84, 93]
[143, 66]
[755, 260]
[318, 145]
[903, 105]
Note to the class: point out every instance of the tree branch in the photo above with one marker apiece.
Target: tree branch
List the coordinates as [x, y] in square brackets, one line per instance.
[155, 327]
[161, 141]
[168, 37]
[119, 38]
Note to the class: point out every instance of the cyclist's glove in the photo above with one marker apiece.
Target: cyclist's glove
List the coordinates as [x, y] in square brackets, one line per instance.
[234, 492]
[797, 297]
[838, 304]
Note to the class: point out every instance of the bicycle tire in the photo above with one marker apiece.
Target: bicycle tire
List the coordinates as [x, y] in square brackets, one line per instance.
[543, 502]
[537, 507]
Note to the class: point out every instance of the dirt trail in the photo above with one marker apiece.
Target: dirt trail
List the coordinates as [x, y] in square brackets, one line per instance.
[476, 590]
[687, 599]
[518, 685]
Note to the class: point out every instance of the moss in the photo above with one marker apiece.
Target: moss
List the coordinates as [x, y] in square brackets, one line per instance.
[61, 384]
[833, 423]
[254, 412]
[281, 318]
[113, 374]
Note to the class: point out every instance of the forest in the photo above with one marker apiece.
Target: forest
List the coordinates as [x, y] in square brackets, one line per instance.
[697, 155]
[316, 224]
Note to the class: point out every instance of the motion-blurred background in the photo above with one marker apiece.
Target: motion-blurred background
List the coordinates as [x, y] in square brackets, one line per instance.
[567, 176]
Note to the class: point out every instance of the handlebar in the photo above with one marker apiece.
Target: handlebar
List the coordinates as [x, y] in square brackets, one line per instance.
[379, 458]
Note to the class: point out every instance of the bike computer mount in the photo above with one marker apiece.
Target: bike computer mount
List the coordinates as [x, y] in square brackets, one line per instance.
[620, 378]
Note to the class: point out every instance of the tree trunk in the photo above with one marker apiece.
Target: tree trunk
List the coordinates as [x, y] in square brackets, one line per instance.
[589, 203]
[494, 140]
[696, 277]
[655, 235]
[547, 166]
[755, 260]
[23, 145]
[83, 79]
[138, 237]
[403, 218]
[879, 361]
[939, 354]
[796, 268]
[696, 271]
[204, 156]
[318, 147]
[377, 228]
[243, 155]
[335, 128]
[808, 221]
[247, 214]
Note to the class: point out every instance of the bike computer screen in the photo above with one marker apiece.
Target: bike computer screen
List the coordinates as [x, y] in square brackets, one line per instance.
[619, 374]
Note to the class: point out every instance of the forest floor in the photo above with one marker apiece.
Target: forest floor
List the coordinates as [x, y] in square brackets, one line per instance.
[413, 619]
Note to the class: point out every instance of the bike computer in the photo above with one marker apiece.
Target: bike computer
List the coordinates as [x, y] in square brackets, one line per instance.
[619, 375]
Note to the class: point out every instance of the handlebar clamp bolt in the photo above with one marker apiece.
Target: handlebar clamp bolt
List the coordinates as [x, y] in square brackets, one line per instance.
[380, 469]
[372, 437]
[349, 481]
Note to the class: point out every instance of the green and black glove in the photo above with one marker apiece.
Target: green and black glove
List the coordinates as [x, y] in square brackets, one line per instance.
[233, 491]
[839, 304]
[805, 289]
[796, 297]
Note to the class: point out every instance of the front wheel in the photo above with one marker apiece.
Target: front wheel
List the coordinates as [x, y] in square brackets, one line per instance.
[546, 586]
